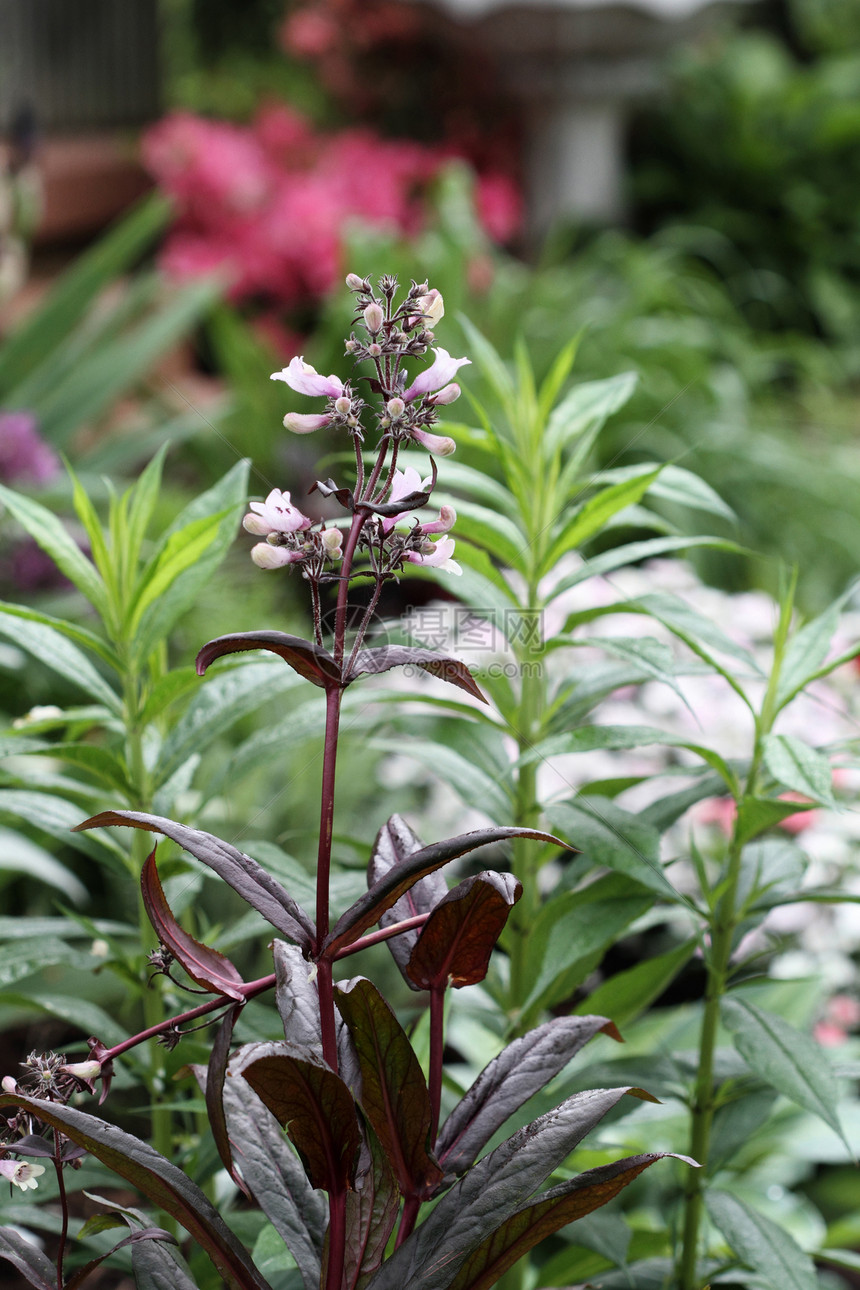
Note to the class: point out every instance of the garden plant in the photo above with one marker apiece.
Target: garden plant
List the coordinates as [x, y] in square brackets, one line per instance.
[375, 1119]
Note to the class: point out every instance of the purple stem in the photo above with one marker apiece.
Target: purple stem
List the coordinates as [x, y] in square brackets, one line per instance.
[385, 933]
[336, 1239]
[64, 1209]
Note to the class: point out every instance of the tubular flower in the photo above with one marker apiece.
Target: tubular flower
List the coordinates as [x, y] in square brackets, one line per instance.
[304, 379]
[441, 372]
[439, 444]
[275, 515]
[405, 483]
[436, 555]
[305, 422]
[266, 556]
[21, 1174]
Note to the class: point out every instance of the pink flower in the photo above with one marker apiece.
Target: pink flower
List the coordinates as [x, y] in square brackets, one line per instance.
[405, 483]
[439, 444]
[304, 379]
[828, 1034]
[720, 811]
[21, 1173]
[844, 1011]
[305, 422]
[436, 555]
[266, 556]
[802, 819]
[500, 206]
[443, 369]
[24, 454]
[275, 515]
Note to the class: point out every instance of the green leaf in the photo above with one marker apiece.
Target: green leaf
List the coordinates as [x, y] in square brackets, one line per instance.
[633, 552]
[144, 496]
[60, 655]
[800, 768]
[761, 1245]
[491, 530]
[612, 837]
[393, 1093]
[44, 527]
[676, 485]
[46, 327]
[572, 932]
[21, 959]
[756, 814]
[73, 631]
[182, 550]
[53, 815]
[785, 1057]
[491, 366]
[806, 651]
[627, 994]
[225, 498]
[18, 854]
[595, 514]
[586, 408]
[99, 762]
[474, 786]
[222, 700]
[160, 1181]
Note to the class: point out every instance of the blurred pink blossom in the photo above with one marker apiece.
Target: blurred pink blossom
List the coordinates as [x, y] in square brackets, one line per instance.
[720, 811]
[802, 820]
[25, 457]
[828, 1034]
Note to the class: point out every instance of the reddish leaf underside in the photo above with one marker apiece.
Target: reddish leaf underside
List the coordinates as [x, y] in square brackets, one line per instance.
[394, 1094]
[459, 936]
[206, 966]
[316, 1109]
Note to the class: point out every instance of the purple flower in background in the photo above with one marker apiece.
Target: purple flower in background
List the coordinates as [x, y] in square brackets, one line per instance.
[24, 455]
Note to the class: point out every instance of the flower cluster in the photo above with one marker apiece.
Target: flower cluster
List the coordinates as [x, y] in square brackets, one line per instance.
[267, 204]
[383, 530]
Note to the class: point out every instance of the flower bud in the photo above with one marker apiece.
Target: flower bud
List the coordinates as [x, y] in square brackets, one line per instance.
[305, 422]
[374, 317]
[8, 1084]
[374, 350]
[447, 394]
[83, 1070]
[396, 408]
[432, 307]
[273, 557]
[354, 282]
[332, 540]
[343, 405]
[441, 445]
[257, 525]
[351, 345]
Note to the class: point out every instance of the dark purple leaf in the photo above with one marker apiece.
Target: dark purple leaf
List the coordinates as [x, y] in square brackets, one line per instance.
[328, 488]
[159, 1180]
[492, 1191]
[239, 871]
[311, 661]
[316, 1109]
[383, 657]
[145, 1234]
[204, 965]
[216, 1073]
[522, 1069]
[272, 1170]
[35, 1266]
[33, 1145]
[371, 1212]
[370, 907]
[297, 997]
[555, 1209]
[461, 933]
[394, 1095]
[155, 1266]
[410, 502]
[395, 841]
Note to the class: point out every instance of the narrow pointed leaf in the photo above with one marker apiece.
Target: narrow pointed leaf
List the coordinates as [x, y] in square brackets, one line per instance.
[612, 837]
[762, 1245]
[149, 1234]
[394, 1094]
[803, 769]
[521, 1069]
[271, 1169]
[395, 842]
[216, 1074]
[55, 541]
[371, 1212]
[384, 657]
[756, 814]
[458, 938]
[157, 1267]
[29, 1260]
[206, 966]
[316, 1109]
[311, 661]
[243, 874]
[790, 1061]
[585, 406]
[60, 655]
[394, 884]
[595, 513]
[555, 1209]
[159, 1180]
[492, 1191]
